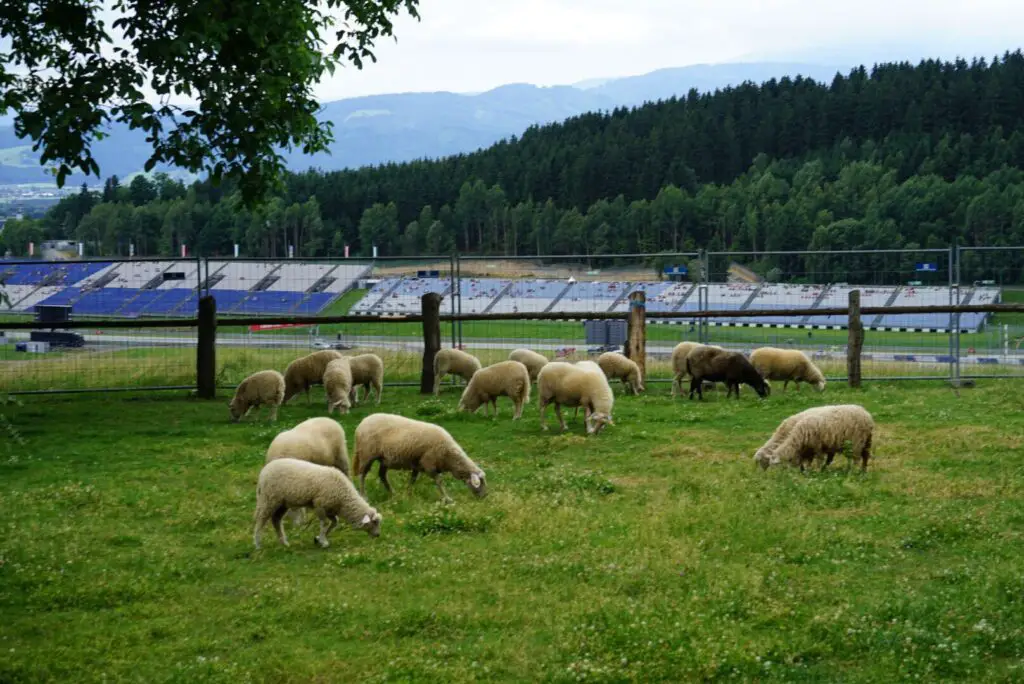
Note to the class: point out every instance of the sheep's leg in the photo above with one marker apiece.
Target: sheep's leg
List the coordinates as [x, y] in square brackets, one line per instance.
[695, 387]
[865, 454]
[364, 471]
[437, 384]
[382, 473]
[518, 412]
[412, 478]
[494, 402]
[561, 419]
[327, 524]
[273, 413]
[438, 480]
[542, 409]
[377, 388]
[262, 517]
[278, 520]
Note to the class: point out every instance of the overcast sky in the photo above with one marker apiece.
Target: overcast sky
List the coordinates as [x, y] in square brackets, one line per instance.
[474, 45]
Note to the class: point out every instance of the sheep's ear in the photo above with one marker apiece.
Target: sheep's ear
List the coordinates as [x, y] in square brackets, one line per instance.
[474, 480]
[365, 520]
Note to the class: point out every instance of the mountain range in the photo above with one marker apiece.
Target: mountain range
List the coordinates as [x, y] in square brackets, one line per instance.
[400, 127]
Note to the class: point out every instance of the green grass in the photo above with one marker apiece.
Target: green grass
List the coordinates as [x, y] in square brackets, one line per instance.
[655, 551]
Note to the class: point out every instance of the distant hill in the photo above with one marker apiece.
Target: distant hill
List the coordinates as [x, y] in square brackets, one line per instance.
[401, 127]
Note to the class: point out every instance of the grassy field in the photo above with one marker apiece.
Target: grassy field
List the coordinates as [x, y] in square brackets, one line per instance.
[655, 551]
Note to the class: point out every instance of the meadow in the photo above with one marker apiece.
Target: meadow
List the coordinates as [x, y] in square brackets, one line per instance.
[655, 551]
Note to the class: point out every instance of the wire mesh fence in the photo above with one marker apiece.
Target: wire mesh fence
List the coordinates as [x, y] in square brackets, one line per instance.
[385, 290]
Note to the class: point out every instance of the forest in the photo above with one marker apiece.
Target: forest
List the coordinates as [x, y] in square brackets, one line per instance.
[899, 155]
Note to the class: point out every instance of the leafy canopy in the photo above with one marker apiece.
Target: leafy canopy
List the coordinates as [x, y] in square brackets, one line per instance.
[249, 66]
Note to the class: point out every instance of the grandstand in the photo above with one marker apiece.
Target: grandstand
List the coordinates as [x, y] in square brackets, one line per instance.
[133, 289]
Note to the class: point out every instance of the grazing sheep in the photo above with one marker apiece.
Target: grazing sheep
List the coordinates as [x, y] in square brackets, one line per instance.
[306, 371]
[531, 359]
[790, 365]
[582, 384]
[367, 371]
[456, 362]
[820, 430]
[262, 387]
[616, 365]
[718, 365]
[679, 354]
[318, 440]
[338, 385]
[503, 379]
[402, 443]
[288, 483]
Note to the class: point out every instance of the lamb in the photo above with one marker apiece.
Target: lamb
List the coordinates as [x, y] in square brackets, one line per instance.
[306, 371]
[318, 440]
[615, 365]
[531, 359]
[367, 371]
[583, 384]
[288, 483]
[718, 365]
[338, 385]
[790, 365]
[402, 443]
[820, 430]
[456, 362]
[503, 379]
[263, 387]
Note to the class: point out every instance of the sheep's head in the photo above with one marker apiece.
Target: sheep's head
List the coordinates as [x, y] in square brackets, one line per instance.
[236, 410]
[820, 385]
[762, 459]
[370, 523]
[470, 401]
[343, 405]
[597, 421]
[762, 387]
[477, 482]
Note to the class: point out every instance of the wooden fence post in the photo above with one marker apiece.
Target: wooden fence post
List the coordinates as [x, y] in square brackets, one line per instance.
[855, 341]
[636, 340]
[206, 349]
[431, 307]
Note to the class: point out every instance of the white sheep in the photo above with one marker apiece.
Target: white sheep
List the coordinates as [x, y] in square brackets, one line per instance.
[616, 365]
[821, 430]
[456, 362]
[306, 371]
[400, 443]
[529, 358]
[367, 371]
[582, 384]
[338, 385]
[259, 389]
[789, 365]
[288, 483]
[503, 379]
[318, 440]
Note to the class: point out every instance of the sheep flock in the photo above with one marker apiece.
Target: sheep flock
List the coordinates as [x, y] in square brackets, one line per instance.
[307, 468]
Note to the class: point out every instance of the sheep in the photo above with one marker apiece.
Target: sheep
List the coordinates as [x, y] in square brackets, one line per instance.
[262, 387]
[719, 365]
[338, 385]
[402, 443]
[503, 379]
[531, 359]
[616, 365]
[820, 430]
[790, 365]
[456, 362]
[289, 483]
[367, 371]
[583, 384]
[317, 440]
[306, 371]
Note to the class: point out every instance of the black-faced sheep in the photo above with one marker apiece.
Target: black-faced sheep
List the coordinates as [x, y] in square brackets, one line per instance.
[712, 364]
[789, 365]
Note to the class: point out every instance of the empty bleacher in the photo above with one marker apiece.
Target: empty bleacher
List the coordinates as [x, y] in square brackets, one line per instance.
[585, 296]
[530, 296]
[406, 298]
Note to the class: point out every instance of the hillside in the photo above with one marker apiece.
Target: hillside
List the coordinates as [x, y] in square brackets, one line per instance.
[402, 127]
